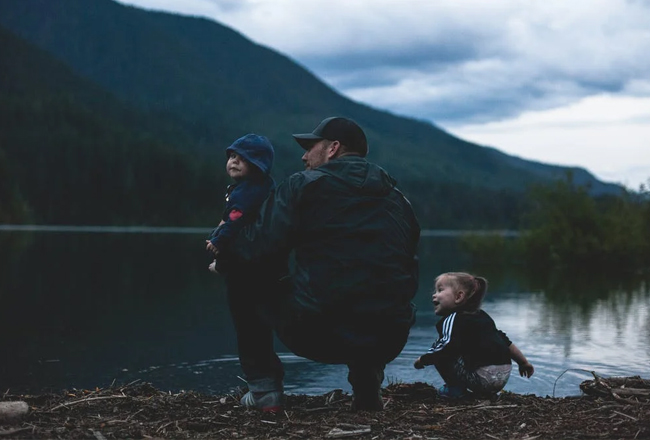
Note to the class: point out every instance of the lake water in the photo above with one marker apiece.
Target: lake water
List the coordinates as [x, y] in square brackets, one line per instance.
[81, 310]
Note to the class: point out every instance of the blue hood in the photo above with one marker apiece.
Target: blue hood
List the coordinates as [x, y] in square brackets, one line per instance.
[255, 149]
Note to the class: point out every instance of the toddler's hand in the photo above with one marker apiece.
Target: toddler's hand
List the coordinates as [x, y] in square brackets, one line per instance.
[526, 369]
[210, 247]
[213, 267]
[418, 364]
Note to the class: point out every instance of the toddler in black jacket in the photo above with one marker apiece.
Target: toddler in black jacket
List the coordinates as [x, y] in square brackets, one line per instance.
[470, 353]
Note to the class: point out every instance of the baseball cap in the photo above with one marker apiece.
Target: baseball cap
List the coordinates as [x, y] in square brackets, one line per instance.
[336, 128]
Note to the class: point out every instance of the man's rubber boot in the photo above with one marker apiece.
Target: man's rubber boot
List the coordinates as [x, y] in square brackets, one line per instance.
[366, 383]
[264, 394]
[367, 401]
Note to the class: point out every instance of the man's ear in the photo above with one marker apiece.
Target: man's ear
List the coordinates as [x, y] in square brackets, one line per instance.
[333, 149]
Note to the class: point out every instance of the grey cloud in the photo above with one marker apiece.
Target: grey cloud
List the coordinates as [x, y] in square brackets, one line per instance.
[379, 67]
[482, 64]
[643, 3]
[488, 75]
[470, 103]
[504, 90]
[228, 6]
[474, 107]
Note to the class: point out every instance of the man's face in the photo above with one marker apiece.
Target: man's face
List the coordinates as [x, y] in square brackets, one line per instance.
[317, 155]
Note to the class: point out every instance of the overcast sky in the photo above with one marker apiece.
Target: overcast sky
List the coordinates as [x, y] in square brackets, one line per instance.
[555, 81]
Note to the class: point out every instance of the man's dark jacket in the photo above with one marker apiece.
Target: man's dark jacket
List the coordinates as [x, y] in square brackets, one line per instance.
[355, 239]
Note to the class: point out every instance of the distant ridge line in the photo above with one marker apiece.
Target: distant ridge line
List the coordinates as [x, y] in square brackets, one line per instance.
[197, 230]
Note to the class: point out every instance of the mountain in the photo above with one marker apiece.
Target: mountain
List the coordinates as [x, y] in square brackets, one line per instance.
[191, 86]
[74, 153]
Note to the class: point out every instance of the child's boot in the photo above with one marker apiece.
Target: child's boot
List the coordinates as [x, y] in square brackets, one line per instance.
[264, 394]
[452, 391]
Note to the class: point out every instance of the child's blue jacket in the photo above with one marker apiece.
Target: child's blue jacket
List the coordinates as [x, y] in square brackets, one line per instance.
[244, 198]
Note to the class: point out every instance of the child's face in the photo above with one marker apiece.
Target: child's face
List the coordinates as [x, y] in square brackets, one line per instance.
[446, 298]
[236, 167]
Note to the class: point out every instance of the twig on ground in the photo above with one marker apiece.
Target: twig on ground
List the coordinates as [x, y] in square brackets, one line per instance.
[98, 435]
[482, 406]
[13, 431]
[625, 415]
[87, 399]
[129, 384]
[573, 369]
[340, 433]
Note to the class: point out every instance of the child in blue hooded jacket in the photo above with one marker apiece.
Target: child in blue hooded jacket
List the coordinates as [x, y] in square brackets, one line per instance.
[250, 159]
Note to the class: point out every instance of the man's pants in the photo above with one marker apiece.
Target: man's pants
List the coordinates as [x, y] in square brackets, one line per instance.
[364, 344]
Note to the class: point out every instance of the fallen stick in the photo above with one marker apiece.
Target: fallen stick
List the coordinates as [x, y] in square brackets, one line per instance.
[4, 432]
[340, 433]
[87, 399]
[464, 408]
[632, 391]
[98, 435]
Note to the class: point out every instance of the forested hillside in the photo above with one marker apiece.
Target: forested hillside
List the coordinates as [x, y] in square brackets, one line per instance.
[115, 115]
[73, 153]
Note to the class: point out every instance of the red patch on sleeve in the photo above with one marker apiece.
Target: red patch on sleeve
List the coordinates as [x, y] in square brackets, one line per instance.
[235, 214]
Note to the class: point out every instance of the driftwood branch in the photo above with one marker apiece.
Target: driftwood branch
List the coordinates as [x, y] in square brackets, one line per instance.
[632, 392]
[616, 387]
[348, 431]
[13, 410]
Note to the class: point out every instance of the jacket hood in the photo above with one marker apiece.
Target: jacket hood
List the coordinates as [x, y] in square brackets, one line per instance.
[255, 149]
[356, 171]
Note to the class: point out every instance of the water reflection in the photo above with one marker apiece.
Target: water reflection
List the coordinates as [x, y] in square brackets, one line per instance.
[79, 306]
[81, 310]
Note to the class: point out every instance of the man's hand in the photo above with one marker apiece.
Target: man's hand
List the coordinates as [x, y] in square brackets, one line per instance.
[213, 267]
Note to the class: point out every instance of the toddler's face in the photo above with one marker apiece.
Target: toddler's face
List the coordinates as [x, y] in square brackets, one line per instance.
[236, 167]
[445, 298]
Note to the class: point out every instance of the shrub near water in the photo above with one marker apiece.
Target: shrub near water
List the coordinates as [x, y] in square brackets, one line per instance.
[566, 228]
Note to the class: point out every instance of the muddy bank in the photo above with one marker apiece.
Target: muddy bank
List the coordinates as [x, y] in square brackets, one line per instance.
[610, 408]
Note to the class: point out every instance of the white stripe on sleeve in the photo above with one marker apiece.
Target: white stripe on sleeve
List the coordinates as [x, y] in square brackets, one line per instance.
[445, 337]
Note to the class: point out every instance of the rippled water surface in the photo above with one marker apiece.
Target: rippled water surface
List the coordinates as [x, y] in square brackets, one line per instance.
[81, 310]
